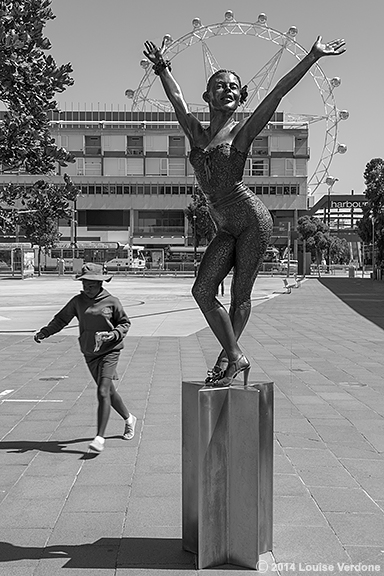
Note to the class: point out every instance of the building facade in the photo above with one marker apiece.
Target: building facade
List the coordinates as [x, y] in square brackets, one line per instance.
[135, 178]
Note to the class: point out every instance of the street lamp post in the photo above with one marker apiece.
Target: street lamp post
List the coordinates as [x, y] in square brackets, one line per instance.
[194, 244]
[373, 248]
[330, 181]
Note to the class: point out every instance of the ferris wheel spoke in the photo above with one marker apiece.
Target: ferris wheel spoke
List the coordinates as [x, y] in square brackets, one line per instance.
[211, 65]
[262, 80]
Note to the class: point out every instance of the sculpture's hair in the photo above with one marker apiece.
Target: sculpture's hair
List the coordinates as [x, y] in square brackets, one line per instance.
[243, 89]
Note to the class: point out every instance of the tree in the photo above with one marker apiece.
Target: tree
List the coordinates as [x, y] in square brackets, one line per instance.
[339, 250]
[316, 234]
[199, 217]
[29, 79]
[373, 213]
[41, 207]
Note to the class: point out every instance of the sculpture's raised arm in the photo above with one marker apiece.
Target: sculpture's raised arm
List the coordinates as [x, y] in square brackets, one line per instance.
[190, 125]
[263, 113]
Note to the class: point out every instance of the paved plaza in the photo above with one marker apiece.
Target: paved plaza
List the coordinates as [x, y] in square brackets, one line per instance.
[64, 510]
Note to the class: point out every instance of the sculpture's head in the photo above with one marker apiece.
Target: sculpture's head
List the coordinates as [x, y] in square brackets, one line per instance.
[224, 90]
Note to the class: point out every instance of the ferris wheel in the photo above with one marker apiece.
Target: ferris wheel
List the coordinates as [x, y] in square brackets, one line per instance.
[259, 85]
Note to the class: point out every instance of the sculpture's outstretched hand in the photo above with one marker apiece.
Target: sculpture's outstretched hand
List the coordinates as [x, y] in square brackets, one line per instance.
[152, 52]
[334, 48]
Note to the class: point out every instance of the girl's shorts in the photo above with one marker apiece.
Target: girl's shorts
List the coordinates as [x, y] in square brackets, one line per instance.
[104, 366]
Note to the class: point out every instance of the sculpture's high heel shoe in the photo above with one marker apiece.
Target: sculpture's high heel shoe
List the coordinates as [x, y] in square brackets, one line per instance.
[242, 364]
[217, 372]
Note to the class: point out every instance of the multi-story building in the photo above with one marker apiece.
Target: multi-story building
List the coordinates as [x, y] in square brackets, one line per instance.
[135, 178]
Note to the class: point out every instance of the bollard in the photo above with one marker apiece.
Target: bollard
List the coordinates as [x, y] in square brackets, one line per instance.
[227, 472]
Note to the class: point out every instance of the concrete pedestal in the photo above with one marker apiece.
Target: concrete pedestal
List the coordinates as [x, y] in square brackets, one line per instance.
[227, 472]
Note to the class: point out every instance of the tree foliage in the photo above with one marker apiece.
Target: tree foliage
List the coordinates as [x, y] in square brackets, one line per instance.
[29, 80]
[37, 210]
[339, 250]
[199, 217]
[373, 213]
[316, 234]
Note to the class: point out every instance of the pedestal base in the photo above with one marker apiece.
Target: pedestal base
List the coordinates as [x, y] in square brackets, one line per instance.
[227, 436]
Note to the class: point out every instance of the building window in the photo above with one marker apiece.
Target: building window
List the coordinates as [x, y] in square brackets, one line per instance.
[301, 146]
[92, 166]
[282, 143]
[156, 143]
[80, 170]
[260, 146]
[135, 166]
[289, 167]
[260, 167]
[135, 145]
[106, 219]
[156, 166]
[92, 145]
[256, 167]
[160, 222]
[278, 166]
[176, 146]
[115, 167]
[301, 167]
[176, 167]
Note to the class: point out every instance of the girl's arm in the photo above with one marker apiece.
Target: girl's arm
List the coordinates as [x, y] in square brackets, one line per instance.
[58, 322]
[263, 113]
[190, 125]
[120, 321]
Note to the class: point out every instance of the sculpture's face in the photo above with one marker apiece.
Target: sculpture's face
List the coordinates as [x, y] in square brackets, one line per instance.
[224, 92]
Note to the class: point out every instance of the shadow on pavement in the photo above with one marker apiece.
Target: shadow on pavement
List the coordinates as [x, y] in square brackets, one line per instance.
[54, 446]
[363, 295]
[165, 553]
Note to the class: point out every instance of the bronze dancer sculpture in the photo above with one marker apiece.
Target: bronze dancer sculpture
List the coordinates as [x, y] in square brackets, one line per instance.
[243, 223]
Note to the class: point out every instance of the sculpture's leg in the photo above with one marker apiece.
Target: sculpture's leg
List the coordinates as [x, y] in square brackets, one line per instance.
[215, 265]
[221, 325]
[250, 250]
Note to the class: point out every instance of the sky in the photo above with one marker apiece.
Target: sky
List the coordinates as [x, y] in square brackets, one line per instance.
[103, 40]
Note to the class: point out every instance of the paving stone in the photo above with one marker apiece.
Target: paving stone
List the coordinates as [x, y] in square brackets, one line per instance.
[368, 555]
[344, 500]
[42, 487]
[100, 498]
[165, 484]
[154, 511]
[288, 485]
[300, 509]
[30, 513]
[73, 528]
[299, 546]
[358, 529]
[157, 553]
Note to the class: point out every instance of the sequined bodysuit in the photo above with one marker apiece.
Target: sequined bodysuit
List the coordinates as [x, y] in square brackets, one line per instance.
[243, 222]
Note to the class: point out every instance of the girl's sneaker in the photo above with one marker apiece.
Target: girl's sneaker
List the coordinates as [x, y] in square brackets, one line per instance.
[129, 429]
[97, 444]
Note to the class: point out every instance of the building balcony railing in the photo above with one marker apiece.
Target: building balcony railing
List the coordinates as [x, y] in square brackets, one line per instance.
[159, 230]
